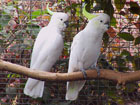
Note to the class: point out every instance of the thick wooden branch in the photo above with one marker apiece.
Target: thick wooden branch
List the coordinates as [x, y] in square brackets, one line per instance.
[119, 77]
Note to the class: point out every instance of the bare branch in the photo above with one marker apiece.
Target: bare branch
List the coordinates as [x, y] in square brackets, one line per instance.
[118, 77]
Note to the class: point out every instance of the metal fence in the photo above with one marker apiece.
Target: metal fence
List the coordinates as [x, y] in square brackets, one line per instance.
[20, 22]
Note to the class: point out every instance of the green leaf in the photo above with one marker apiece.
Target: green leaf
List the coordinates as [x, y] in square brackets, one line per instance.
[0, 27]
[33, 36]
[75, 25]
[33, 28]
[78, 11]
[137, 40]
[15, 76]
[67, 44]
[134, 8]
[1, 41]
[37, 13]
[121, 62]
[113, 22]
[111, 94]
[4, 19]
[104, 63]
[9, 75]
[130, 87]
[119, 4]
[126, 53]
[120, 101]
[126, 36]
[68, 8]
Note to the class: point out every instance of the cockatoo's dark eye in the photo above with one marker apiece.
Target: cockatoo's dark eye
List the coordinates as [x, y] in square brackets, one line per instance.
[61, 19]
[101, 21]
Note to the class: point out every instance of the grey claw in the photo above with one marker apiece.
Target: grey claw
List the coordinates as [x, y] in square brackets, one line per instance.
[84, 73]
[92, 67]
[98, 71]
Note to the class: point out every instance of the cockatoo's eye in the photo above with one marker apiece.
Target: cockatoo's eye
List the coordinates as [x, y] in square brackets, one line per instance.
[61, 19]
[101, 21]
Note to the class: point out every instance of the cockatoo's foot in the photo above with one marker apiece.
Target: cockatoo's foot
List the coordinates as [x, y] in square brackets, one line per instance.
[84, 73]
[97, 69]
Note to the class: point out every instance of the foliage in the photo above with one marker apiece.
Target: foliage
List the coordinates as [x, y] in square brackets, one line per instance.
[20, 22]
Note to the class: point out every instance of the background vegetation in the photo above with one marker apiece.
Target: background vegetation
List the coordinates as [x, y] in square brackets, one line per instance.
[20, 22]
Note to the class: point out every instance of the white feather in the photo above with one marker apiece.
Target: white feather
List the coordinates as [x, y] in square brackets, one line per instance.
[46, 51]
[85, 51]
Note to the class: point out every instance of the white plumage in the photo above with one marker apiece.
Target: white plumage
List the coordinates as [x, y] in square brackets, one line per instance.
[46, 51]
[85, 51]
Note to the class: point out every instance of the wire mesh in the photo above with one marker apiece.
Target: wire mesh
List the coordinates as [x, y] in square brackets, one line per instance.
[20, 22]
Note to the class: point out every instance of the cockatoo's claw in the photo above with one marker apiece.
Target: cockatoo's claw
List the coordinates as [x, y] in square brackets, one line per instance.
[97, 69]
[92, 67]
[84, 73]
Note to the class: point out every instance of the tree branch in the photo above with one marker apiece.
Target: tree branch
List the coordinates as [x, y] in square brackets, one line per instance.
[118, 77]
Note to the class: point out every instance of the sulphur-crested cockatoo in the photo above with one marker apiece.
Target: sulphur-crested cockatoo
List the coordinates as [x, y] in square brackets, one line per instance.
[85, 49]
[46, 51]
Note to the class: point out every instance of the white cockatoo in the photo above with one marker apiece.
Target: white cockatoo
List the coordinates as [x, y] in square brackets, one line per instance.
[85, 49]
[46, 51]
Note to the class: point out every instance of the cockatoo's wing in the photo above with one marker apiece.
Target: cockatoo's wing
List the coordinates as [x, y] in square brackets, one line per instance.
[49, 54]
[75, 64]
[39, 42]
[74, 61]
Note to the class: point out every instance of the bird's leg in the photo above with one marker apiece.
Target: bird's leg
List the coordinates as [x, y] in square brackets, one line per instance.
[91, 67]
[84, 73]
[97, 69]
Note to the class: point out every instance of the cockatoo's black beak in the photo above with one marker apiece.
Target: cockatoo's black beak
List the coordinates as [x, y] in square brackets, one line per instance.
[108, 23]
[66, 23]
